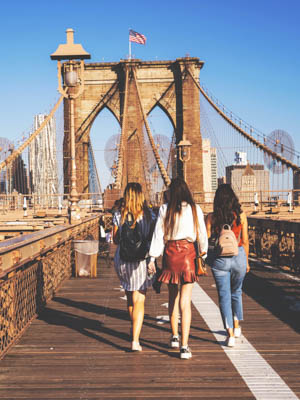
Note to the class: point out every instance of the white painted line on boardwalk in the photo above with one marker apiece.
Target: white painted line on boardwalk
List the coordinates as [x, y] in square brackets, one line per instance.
[259, 376]
[162, 319]
[120, 289]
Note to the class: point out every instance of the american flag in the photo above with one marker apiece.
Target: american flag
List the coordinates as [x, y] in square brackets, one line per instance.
[136, 37]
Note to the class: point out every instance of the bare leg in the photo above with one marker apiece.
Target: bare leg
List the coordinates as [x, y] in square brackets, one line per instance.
[236, 323]
[186, 312]
[129, 303]
[174, 307]
[230, 332]
[138, 298]
[129, 308]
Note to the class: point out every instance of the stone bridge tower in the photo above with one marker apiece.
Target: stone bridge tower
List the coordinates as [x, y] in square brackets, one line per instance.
[131, 89]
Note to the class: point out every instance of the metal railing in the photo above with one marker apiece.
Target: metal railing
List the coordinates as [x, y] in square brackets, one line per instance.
[32, 267]
[257, 200]
[275, 241]
[56, 202]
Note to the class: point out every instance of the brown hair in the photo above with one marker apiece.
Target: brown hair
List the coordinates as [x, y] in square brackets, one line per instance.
[227, 207]
[178, 192]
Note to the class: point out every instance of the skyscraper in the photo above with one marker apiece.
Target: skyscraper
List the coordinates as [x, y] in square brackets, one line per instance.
[210, 178]
[43, 161]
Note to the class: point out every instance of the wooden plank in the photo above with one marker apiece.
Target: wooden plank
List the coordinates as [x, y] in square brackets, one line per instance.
[79, 348]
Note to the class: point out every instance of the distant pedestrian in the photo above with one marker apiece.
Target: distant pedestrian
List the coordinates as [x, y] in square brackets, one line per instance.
[133, 275]
[229, 272]
[102, 234]
[174, 236]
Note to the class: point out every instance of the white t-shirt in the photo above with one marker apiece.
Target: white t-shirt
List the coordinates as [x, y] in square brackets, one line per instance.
[184, 229]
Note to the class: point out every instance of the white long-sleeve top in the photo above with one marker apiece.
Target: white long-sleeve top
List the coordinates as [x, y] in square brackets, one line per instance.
[184, 229]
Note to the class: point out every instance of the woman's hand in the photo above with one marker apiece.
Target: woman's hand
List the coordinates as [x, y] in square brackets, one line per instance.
[115, 234]
[248, 267]
[151, 268]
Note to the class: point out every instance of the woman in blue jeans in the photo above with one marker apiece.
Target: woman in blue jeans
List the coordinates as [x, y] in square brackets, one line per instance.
[229, 272]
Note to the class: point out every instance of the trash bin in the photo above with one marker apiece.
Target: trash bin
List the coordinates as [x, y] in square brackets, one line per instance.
[86, 252]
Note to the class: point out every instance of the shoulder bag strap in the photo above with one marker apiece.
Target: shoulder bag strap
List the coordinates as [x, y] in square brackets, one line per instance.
[197, 232]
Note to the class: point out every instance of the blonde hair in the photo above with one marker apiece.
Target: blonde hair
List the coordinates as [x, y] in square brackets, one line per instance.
[134, 202]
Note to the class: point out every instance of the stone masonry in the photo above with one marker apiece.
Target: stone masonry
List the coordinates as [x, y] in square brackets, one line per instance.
[165, 84]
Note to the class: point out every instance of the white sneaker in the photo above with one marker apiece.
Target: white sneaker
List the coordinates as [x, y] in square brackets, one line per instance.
[237, 332]
[174, 342]
[231, 341]
[185, 353]
[135, 346]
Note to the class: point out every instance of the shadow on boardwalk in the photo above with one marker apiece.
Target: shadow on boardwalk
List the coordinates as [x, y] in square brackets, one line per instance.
[273, 290]
[78, 348]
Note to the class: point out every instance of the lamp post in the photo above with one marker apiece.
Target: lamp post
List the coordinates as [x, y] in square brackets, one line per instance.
[184, 149]
[71, 79]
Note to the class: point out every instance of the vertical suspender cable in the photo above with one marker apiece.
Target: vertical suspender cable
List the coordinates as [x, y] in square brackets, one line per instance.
[123, 144]
[160, 164]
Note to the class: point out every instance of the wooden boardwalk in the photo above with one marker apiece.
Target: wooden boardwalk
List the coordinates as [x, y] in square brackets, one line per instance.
[79, 347]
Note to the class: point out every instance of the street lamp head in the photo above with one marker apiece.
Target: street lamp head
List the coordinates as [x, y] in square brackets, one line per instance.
[184, 149]
[71, 78]
[70, 50]
[71, 71]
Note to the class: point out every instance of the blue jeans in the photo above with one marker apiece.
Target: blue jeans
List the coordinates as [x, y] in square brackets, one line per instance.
[229, 274]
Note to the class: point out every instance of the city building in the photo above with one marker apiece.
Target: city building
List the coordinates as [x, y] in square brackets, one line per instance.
[221, 180]
[248, 179]
[214, 169]
[14, 177]
[210, 171]
[296, 187]
[248, 186]
[43, 163]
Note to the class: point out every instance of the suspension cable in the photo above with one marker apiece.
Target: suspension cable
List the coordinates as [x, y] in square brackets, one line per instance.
[120, 162]
[258, 144]
[17, 152]
[160, 164]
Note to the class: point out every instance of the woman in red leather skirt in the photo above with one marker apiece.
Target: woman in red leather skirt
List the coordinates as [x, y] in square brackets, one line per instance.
[174, 237]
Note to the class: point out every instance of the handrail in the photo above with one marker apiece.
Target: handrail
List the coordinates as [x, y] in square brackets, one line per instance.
[32, 268]
[17, 251]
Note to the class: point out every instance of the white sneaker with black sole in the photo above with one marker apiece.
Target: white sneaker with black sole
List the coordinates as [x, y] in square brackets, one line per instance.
[185, 353]
[174, 342]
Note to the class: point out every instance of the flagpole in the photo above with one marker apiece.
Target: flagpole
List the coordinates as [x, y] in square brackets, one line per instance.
[129, 48]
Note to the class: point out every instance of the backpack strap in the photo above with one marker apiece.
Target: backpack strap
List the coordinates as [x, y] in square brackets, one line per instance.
[230, 226]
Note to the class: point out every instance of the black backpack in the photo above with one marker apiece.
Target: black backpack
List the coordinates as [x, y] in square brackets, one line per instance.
[133, 246]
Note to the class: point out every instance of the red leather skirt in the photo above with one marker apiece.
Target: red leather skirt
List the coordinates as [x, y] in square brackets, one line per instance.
[178, 262]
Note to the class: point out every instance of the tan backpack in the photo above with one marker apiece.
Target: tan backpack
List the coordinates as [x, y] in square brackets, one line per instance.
[227, 243]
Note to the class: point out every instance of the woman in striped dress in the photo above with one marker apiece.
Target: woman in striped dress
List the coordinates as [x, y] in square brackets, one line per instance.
[133, 275]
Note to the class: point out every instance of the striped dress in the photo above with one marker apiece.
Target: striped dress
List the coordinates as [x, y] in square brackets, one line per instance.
[133, 275]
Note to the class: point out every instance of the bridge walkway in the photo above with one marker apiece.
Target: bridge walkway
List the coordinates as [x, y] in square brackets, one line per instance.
[79, 346]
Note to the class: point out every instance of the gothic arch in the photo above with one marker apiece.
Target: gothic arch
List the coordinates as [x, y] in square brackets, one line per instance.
[129, 88]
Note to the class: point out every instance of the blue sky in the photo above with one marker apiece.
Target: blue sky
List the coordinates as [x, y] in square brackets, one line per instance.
[251, 51]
